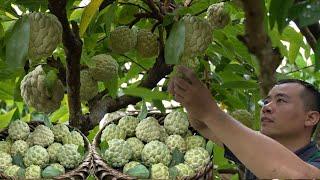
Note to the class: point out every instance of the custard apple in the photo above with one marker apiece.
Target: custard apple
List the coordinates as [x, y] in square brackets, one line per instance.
[33, 172]
[45, 35]
[218, 16]
[118, 154]
[195, 141]
[136, 147]
[148, 130]
[89, 86]
[12, 171]
[58, 167]
[36, 94]
[147, 44]
[42, 135]
[198, 35]
[243, 116]
[159, 171]
[156, 152]
[128, 124]
[53, 151]
[197, 158]
[130, 165]
[184, 170]
[163, 134]
[18, 130]
[105, 68]
[122, 39]
[5, 146]
[68, 156]
[73, 138]
[20, 147]
[176, 122]
[109, 117]
[190, 62]
[176, 142]
[36, 155]
[5, 160]
[59, 131]
[112, 131]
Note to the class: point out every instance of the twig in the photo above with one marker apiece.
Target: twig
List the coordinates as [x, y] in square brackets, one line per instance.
[312, 41]
[155, 9]
[56, 63]
[146, 10]
[297, 70]
[134, 62]
[198, 13]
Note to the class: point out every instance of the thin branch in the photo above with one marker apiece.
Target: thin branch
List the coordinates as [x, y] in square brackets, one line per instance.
[155, 26]
[137, 5]
[56, 63]
[155, 10]
[134, 62]
[312, 41]
[198, 13]
[187, 3]
[73, 48]
[297, 70]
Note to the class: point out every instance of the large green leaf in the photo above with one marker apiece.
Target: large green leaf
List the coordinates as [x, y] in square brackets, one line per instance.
[33, 5]
[145, 93]
[6, 118]
[310, 13]
[279, 11]
[7, 89]
[240, 84]
[144, 111]
[18, 44]
[174, 46]
[88, 14]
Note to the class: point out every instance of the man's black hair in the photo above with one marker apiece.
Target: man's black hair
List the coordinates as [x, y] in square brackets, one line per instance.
[310, 96]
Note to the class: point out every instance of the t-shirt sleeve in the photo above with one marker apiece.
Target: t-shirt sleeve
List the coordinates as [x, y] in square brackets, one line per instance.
[315, 163]
[229, 155]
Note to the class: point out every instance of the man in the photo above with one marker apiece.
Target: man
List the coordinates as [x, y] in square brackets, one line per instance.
[282, 148]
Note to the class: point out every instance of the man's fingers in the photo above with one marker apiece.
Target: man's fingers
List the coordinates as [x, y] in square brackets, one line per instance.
[188, 73]
[182, 83]
[171, 86]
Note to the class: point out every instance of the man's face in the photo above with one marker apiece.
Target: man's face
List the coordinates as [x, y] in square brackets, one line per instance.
[283, 113]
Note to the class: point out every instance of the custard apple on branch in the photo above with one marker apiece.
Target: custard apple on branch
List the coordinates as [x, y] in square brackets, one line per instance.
[36, 94]
[105, 68]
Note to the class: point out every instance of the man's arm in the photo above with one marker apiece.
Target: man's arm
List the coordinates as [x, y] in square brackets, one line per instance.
[265, 157]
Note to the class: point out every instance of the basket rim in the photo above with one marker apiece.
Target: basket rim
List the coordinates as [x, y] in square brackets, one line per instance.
[87, 160]
[102, 162]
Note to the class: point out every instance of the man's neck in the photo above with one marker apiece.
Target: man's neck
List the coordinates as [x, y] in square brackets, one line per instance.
[294, 143]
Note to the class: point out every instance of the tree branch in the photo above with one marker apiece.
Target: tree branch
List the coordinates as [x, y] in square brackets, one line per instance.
[155, 11]
[258, 43]
[98, 108]
[73, 49]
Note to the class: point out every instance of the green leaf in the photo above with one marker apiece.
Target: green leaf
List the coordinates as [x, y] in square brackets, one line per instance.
[18, 44]
[174, 46]
[145, 93]
[209, 147]
[50, 172]
[173, 172]
[62, 111]
[5, 119]
[159, 105]
[144, 111]
[279, 11]
[139, 171]
[18, 160]
[1, 31]
[81, 150]
[126, 14]
[293, 52]
[7, 88]
[112, 86]
[21, 173]
[240, 84]
[218, 157]
[104, 146]
[177, 157]
[50, 80]
[47, 121]
[93, 132]
[310, 14]
[87, 15]
[317, 56]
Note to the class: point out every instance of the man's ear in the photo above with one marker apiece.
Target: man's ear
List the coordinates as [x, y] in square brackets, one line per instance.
[312, 118]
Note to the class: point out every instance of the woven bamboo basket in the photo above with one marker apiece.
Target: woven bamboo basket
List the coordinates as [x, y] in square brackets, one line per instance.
[81, 172]
[105, 172]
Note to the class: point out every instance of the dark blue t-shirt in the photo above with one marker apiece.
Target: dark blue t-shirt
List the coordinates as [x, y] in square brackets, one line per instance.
[304, 153]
